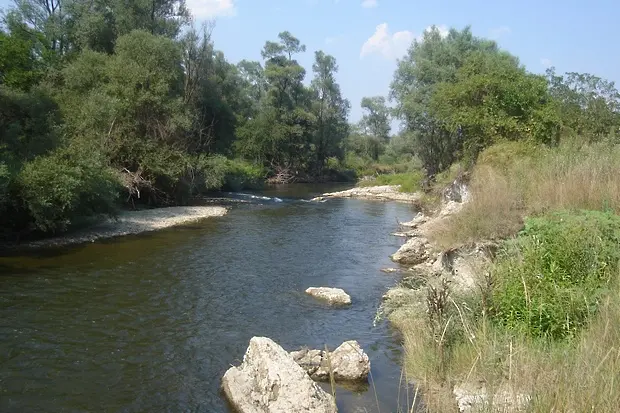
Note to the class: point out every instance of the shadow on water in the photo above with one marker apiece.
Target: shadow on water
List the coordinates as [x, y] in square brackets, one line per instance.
[152, 322]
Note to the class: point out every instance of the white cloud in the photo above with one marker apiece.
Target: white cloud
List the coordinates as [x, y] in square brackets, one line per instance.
[546, 62]
[369, 4]
[207, 9]
[443, 31]
[390, 46]
[498, 32]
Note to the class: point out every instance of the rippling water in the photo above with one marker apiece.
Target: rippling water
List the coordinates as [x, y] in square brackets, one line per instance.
[150, 323]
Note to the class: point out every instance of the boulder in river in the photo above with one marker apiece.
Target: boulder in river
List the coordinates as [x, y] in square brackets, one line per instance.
[335, 296]
[270, 381]
[348, 363]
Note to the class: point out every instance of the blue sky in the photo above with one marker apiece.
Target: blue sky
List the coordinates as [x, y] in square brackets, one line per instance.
[367, 36]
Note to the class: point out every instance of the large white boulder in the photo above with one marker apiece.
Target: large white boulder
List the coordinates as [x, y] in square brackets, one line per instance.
[270, 381]
[347, 363]
[335, 296]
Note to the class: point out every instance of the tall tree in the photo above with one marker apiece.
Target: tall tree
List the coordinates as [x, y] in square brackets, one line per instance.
[280, 135]
[429, 62]
[376, 119]
[330, 108]
[588, 105]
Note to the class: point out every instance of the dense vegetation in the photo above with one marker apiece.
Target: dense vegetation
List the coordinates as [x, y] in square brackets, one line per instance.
[103, 103]
[542, 158]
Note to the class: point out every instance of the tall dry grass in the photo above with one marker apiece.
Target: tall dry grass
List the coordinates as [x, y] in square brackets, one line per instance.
[512, 181]
[582, 375]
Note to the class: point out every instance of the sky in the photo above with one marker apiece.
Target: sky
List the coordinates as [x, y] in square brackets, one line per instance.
[368, 36]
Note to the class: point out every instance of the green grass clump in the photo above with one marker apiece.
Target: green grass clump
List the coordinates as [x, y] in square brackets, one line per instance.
[409, 181]
[549, 280]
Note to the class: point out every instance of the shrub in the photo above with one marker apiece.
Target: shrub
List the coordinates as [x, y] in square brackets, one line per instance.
[241, 174]
[213, 170]
[58, 188]
[549, 280]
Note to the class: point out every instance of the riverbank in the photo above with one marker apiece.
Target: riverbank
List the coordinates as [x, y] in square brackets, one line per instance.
[506, 299]
[132, 223]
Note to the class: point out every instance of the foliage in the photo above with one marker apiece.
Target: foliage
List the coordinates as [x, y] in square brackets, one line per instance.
[432, 61]
[550, 279]
[243, 175]
[61, 186]
[493, 98]
[513, 180]
[588, 106]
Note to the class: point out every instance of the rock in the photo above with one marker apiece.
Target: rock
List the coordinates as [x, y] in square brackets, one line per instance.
[348, 363]
[457, 192]
[413, 252]
[418, 220]
[474, 398]
[270, 381]
[390, 270]
[335, 296]
[309, 360]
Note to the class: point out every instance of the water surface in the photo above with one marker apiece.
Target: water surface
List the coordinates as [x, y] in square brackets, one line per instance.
[150, 323]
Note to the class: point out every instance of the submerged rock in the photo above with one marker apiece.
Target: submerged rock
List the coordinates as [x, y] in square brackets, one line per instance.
[335, 296]
[270, 381]
[348, 363]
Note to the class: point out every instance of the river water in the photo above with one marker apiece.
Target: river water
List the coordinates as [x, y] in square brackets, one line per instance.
[150, 323]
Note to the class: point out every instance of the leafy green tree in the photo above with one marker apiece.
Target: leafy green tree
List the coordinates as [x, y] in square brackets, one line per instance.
[587, 105]
[330, 109]
[19, 66]
[280, 135]
[494, 98]
[433, 60]
[376, 119]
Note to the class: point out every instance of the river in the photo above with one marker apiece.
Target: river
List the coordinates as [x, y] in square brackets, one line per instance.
[150, 323]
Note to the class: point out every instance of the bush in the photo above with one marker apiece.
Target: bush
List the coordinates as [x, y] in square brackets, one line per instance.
[549, 280]
[61, 187]
[241, 174]
[213, 171]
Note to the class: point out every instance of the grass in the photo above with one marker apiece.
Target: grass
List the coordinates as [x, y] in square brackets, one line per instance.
[508, 187]
[542, 325]
[579, 375]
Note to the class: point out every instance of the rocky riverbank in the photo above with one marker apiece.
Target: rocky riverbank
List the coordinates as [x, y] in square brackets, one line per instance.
[133, 222]
[431, 278]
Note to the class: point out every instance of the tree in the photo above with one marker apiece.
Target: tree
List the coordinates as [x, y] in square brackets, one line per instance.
[329, 108]
[281, 133]
[429, 62]
[494, 98]
[376, 119]
[587, 105]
